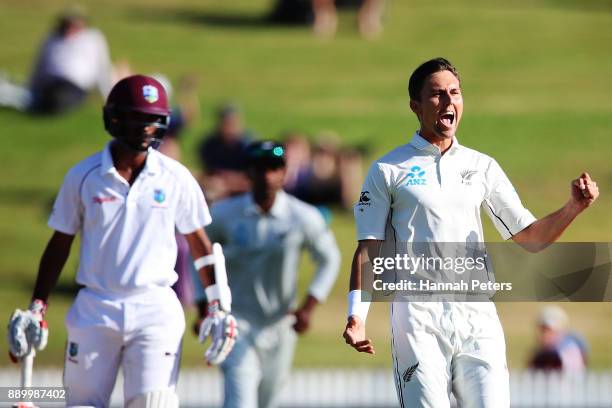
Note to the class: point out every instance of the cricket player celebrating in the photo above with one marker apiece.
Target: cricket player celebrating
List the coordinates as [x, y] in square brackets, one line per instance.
[263, 233]
[126, 201]
[439, 347]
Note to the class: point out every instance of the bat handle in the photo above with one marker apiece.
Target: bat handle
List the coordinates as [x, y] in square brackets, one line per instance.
[27, 363]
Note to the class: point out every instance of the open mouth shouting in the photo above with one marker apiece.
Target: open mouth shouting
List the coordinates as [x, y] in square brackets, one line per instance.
[447, 120]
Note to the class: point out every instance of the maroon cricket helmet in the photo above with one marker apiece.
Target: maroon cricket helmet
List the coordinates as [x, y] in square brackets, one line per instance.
[136, 93]
[139, 93]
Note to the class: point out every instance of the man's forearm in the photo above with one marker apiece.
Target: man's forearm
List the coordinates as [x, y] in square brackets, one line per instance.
[199, 246]
[51, 265]
[366, 251]
[547, 230]
[309, 303]
[355, 279]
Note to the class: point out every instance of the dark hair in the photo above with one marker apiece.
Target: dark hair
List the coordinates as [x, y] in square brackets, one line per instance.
[67, 21]
[265, 154]
[418, 77]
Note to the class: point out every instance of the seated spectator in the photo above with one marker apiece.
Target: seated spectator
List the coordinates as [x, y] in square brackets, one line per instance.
[297, 155]
[558, 349]
[322, 14]
[369, 17]
[185, 108]
[73, 60]
[222, 154]
[325, 177]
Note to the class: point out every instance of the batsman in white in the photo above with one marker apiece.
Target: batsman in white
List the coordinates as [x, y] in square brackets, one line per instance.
[431, 190]
[126, 202]
[263, 233]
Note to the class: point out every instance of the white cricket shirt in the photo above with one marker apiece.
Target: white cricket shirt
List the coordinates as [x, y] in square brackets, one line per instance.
[428, 197]
[127, 233]
[263, 251]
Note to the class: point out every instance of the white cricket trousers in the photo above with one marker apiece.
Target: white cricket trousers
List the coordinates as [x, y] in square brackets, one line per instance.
[141, 334]
[259, 364]
[444, 347]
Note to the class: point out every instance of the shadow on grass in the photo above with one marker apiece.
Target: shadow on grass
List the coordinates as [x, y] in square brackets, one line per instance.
[594, 6]
[199, 17]
[15, 195]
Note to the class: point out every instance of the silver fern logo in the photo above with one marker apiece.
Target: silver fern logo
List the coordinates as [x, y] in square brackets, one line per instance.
[466, 176]
[409, 372]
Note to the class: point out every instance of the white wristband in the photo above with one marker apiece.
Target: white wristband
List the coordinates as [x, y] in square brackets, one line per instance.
[359, 304]
[204, 261]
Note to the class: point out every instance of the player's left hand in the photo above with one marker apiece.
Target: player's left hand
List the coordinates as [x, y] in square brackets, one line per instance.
[584, 191]
[222, 328]
[354, 335]
[27, 330]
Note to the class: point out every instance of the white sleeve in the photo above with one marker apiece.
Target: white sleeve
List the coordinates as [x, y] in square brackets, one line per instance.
[321, 244]
[373, 207]
[67, 212]
[192, 210]
[503, 204]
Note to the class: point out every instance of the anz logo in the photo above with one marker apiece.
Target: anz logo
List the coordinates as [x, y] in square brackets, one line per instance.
[415, 177]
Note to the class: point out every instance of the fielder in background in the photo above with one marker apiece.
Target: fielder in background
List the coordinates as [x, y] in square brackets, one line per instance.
[418, 192]
[263, 233]
[125, 201]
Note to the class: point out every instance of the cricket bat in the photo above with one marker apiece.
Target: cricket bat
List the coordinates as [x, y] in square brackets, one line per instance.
[26, 365]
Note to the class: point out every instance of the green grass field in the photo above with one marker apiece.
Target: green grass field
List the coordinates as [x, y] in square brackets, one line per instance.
[537, 98]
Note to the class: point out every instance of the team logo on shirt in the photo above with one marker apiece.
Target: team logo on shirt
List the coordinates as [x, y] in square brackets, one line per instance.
[409, 372]
[73, 350]
[416, 176]
[150, 93]
[466, 176]
[364, 199]
[159, 196]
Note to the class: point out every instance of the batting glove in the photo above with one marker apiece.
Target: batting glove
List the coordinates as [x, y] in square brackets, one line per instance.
[27, 330]
[221, 327]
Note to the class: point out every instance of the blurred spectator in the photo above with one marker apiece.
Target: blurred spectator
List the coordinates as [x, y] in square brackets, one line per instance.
[558, 349]
[292, 12]
[185, 105]
[350, 164]
[297, 153]
[322, 14]
[323, 184]
[73, 60]
[185, 110]
[369, 17]
[327, 175]
[222, 154]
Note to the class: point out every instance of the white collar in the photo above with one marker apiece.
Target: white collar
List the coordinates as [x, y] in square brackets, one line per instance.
[152, 163]
[279, 208]
[421, 144]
